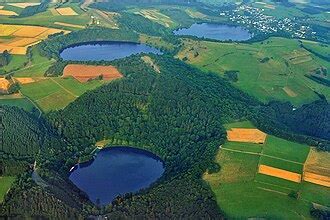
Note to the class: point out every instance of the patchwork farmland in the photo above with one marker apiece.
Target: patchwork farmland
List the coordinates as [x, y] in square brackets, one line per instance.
[23, 36]
[261, 179]
[273, 69]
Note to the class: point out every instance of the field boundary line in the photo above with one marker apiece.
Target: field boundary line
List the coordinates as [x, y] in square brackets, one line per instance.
[272, 185]
[68, 91]
[35, 104]
[261, 154]
[271, 190]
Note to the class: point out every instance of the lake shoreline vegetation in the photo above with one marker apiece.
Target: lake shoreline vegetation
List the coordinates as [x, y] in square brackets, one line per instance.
[172, 108]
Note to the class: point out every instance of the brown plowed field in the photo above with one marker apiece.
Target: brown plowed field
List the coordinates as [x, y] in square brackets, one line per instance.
[249, 135]
[279, 173]
[83, 73]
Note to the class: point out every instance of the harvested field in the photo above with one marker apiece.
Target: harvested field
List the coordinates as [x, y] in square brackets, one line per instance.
[23, 5]
[66, 11]
[7, 13]
[29, 31]
[69, 25]
[317, 167]
[317, 179]
[23, 36]
[279, 173]
[249, 135]
[4, 85]
[288, 91]
[83, 73]
[22, 42]
[25, 80]
[318, 162]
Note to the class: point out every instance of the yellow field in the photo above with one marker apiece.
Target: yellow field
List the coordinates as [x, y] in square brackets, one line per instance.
[69, 25]
[23, 37]
[66, 11]
[288, 91]
[25, 80]
[317, 168]
[317, 179]
[7, 13]
[249, 135]
[279, 173]
[22, 42]
[23, 5]
[4, 85]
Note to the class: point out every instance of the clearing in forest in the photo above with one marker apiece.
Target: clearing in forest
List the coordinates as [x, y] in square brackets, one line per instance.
[248, 135]
[84, 73]
[279, 173]
[67, 11]
[151, 63]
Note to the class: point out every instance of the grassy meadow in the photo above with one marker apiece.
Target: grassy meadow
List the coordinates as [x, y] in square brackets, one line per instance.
[244, 193]
[5, 183]
[273, 69]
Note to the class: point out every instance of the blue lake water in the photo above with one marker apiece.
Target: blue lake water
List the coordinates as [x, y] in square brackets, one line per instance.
[109, 50]
[216, 32]
[117, 171]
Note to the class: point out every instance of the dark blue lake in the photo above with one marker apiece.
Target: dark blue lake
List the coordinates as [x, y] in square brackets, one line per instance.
[110, 50]
[216, 32]
[116, 171]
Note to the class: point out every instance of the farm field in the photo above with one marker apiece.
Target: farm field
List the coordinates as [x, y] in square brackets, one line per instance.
[243, 191]
[156, 16]
[23, 36]
[18, 101]
[56, 93]
[256, 64]
[5, 183]
[50, 19]
[84, 73]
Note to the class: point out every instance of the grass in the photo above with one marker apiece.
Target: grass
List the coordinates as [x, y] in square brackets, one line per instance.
[279, 147]
[5, 183]
[243, 193]
[16, 62]
[264, 80]
[56, 93]
[156, 41]
[23, 103]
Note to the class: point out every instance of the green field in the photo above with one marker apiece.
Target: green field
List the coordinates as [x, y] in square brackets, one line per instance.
[56, 93]
[270, 70]
[23, 103]
[243, 193]
[5, 183]
[49, 17]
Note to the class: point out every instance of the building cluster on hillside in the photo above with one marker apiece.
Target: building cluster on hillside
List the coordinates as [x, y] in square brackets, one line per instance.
[255, 19]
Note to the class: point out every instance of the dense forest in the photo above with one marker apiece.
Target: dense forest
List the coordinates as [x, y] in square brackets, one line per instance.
[35, 9]
[5, 58]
